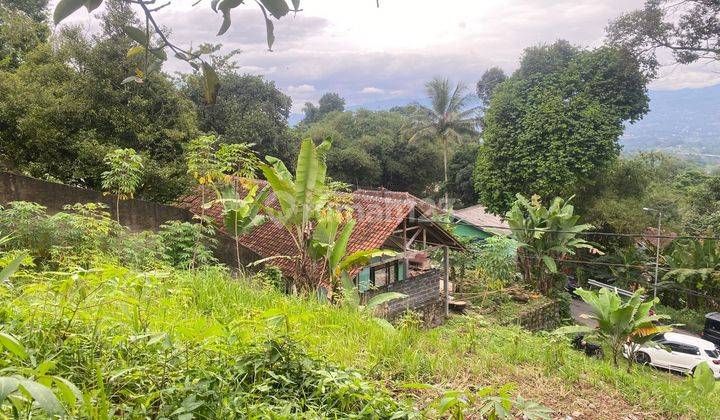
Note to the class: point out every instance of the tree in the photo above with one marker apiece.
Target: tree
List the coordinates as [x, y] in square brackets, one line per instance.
[153, 40]
[694, 264]
[447, 119]
[23, 28]
[619, 322]
[547, 235]
[370, 150]
[240, 215]
[329, 102]
[489, 81]
[248, 108]
[690, 30]
[123, 176]
[553, 126]
[460, 183]
[65, 107]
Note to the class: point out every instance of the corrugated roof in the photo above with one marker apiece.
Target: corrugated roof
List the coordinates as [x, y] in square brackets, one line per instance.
[478, 216]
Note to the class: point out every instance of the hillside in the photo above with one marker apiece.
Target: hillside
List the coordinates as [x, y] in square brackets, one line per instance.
[680, 121]
[202, 344]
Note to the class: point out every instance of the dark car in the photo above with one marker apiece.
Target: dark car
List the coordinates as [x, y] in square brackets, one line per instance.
[712, 328]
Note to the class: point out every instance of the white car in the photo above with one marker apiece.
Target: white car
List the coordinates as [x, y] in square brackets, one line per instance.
[678, 352]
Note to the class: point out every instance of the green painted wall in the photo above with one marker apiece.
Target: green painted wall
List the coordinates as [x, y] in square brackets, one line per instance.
[464, 231]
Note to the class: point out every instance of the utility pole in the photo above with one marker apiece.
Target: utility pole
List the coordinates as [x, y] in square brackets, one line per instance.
[657, 247]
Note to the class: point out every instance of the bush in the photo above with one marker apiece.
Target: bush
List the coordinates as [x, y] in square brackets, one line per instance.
[186, 244]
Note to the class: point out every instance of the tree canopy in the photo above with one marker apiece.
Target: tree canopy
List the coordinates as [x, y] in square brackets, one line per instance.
[689, 29]
[328, 103]
[555, 123]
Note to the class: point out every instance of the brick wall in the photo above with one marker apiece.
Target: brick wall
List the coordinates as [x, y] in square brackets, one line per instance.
[422, 290]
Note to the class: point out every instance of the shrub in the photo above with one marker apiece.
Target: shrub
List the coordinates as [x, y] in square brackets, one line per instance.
[186, 244]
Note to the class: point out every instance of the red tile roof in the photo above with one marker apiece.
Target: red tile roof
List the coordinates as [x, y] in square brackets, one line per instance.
[376, 219]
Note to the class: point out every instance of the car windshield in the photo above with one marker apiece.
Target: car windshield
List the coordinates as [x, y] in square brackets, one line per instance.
[713, 353]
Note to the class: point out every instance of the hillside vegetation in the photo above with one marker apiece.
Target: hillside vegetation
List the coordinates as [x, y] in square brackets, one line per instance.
[199, 343]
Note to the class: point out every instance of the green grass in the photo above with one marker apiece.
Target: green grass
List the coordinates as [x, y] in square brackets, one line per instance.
[156, 337]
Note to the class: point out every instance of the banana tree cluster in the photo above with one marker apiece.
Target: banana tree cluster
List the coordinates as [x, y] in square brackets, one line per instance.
[546, 235]
[619, 322]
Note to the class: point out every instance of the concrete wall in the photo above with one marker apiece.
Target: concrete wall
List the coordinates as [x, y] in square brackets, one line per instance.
[544, 318]
[136, 214]
[423, 291]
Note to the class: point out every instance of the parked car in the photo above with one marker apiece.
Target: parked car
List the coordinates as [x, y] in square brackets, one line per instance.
[712, 328]
[678, 352]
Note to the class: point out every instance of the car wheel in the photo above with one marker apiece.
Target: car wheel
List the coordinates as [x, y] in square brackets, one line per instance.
[642, 358]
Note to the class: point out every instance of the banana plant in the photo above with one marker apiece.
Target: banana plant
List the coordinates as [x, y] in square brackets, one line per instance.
[619, 322]
[241, 215]
[302, 198]
[546, 234]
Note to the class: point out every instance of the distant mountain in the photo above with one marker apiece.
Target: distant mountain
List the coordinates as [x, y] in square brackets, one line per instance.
[685, 121]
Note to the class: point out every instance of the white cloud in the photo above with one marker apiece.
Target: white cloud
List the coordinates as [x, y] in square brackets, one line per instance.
[353, 47]
[300, 89]
[371, 90]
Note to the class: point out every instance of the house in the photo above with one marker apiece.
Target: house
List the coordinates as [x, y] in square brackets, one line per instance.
[476, 223]
[385, 220]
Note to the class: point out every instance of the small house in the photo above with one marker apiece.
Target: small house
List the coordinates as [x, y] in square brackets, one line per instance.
[384, 220]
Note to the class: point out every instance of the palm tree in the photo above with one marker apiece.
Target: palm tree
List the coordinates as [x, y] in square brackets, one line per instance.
[449, 117]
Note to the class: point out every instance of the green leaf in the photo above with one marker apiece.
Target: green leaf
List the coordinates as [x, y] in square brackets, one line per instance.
[13, 345]
[68, 391]
[340, 247]
[131, 79]
[66, 8]
[136, 34]
[350, 292]
[211, 83]
[296, 5]
[703, 379]
[573, 329]
[382, 298]
[91, 5]
[550, 263]
[225, 6]
[277, 8]
[269, 28]
[11, 268]
[305, 176]
[43, 396]
[7, 386]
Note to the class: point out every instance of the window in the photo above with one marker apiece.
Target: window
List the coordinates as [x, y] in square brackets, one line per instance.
[711, 324]
[684, 348]
[380, 275]
[713, 353]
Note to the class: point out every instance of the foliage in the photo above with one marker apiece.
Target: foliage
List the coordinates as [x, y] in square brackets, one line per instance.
[546, 235]
[153, 50]
[123, 176]
[202, 162]
[554, 124]
[329, 102]
[694, 265]
[489, 403]
[187, 244]
[241, 215]
[21, 31]
[369, 150]
[304, 200]
[64, 108]
[248, 108]
[619, 322]
[489, 81]
[689, 30]
[460, 185]
[449, 117]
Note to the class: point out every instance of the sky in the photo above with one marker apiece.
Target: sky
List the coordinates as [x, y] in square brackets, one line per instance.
[383, 55]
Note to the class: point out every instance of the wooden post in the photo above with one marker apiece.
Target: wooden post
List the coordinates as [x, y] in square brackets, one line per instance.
[405, 249]
[446, 279]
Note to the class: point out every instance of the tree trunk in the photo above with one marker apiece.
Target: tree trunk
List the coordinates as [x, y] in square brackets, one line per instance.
[117, 208]
[445, 165]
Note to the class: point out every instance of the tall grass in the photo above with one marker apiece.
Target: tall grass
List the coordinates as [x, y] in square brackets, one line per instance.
[141, 340]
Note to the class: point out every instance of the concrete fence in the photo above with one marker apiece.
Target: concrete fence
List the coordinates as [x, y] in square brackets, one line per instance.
[136, 214]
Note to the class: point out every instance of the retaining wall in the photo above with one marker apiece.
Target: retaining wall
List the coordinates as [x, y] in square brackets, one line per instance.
[543, 318]
[423, 293]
